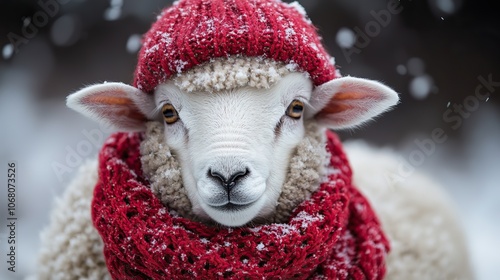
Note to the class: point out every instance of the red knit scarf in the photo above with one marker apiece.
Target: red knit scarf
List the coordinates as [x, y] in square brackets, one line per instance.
[334, 234]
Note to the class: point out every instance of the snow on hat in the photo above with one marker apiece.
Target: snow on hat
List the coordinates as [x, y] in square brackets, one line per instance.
[221, 44]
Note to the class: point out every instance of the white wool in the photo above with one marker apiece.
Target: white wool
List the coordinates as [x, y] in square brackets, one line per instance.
[292, 66]
[231, 73]
[425, 236]
[241, 77]
[71, 247]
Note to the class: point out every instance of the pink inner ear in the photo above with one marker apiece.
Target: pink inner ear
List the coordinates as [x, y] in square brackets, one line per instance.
[112, 106]
[340, 102]
[108, 100]
[350, 95]
[333, 108]
[352, 101]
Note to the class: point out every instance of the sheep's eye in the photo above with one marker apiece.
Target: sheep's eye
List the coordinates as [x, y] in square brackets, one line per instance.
[169, 114]
[295, 109]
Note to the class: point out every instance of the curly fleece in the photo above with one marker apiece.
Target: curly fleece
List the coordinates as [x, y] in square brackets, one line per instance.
[233, 72]
[71, 247]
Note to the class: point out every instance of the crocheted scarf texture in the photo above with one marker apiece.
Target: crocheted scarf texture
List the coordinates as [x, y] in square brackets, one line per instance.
[334, 234]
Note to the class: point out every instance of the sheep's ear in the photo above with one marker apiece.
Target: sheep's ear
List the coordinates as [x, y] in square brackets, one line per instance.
[348, 102]
[116, 104]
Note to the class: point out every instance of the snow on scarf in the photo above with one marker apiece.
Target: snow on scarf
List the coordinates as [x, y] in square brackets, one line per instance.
[334, 234]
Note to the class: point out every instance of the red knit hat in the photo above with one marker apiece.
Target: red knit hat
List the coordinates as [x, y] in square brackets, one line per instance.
[192, 32]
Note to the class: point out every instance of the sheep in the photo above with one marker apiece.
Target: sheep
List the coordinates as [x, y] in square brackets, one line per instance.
[239, 137]
[238, 142]
[425, 237]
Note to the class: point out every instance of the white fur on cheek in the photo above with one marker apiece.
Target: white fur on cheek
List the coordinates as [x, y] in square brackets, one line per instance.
[231, 132]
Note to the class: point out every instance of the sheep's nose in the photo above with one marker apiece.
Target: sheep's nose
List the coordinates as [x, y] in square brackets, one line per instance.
[228, 182]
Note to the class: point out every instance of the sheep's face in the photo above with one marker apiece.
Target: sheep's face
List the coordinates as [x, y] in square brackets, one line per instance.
[234, 145]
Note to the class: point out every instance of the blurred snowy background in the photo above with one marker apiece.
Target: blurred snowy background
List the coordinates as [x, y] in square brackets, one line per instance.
[434, 52]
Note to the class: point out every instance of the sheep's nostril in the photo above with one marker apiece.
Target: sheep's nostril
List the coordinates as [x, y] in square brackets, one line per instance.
[230, 181]
[217, 176]
[237, 176]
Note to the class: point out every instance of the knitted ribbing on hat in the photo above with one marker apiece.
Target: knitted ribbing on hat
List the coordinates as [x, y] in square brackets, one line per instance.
[192, 32]
[332, 235]
[306, 170]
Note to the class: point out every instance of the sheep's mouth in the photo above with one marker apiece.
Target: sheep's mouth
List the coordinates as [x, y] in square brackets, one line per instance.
[233, 214]
[231, 207]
